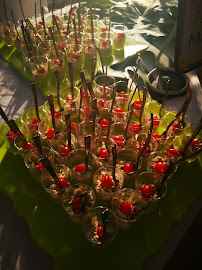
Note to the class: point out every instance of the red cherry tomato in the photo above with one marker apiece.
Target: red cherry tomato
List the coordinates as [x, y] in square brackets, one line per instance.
[147, 191]
[119, 112]
[63, 182]
[160, 167]
[50, 133]
[80, 168]
[100, 232]
[65, 151]
[138, 104]
[103, 123]
[126, 208]
[40, 167]
[107, 181]
[101, 101]
[118, 140]
[128, 168]
[76, 204]
[103, 153]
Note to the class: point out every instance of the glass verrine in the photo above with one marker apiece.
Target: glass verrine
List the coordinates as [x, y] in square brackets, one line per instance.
[76, 162]
[103, 120]
[128, 205]
[95, 18]
[8, 33]
[84, 129]
[179, 126]
[105, 43]
[59, 144]
[47, 132]
[77, 116]
[71, 103]
[78, 200]
[30, 120]
[149, 187]
[89, 50]
[158, 163]
[79, 35]
[74, 55]
[32, 161]
[117, 134]
[101, 151]
[103, 25]
[93, 226]
[58, 62]
[65, 177]
[126, 158]
[20, 145]
[104, 85]
[58, 115]
[39, 68]
[119, 37]
[104, 184]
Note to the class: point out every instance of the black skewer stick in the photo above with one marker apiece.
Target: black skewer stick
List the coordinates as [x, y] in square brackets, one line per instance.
[6, 15]
[132, 97]
[14, 23]
[87, 140]
[184, 107]
[143, 104]
[182, 122]
[37, 142]
[135, 166]
[89, 87]
[164, 98]
[34, 93]
[110, 113]
[165, 178]
[46, 163]
[70, 67]
[109, 24]
[94, 116]
[30, 25]
[35, 16]
[188, 156]
[53, 39]
[92, 27]
[196, 132]
[80, 103]
[68, 24]
[4, 116]
[25, 41]
[129, 119]
[53, 5]
[51, 104]
[79, 19]
[83, 79]
[114, 155]
[68, 125]
[105, 220]
[93, 69]
[57, 26]
[23, 15]
[58, 89]
[13, 126]
[75, 34]
[27, 34]
[43, 21]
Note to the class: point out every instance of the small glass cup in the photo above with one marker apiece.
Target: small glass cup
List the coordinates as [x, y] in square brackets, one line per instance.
[93, 226]
[47, 132]
[101, 151]
[103, 120]
[21, 146]
[105, 43]
[74, 55]
[39, 67]
[149, 187]
[107, 91]
[104, 183]
[77, 116]
[85, 129]
[158, 163]
[103, 25]
[64, 175]
[128, 206]
[59, 144]
[30, 121]
[58, 115]
[76, 162]
[78, 200]
[117, 134]
[95, 18]
[119, 38]
[67, 97]
[79, 35]
[8, 33]
[126, 158]
[32, 161]
[89, 50]
[58, 62]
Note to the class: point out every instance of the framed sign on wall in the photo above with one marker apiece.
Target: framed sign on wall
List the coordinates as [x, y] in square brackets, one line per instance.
[188, 52]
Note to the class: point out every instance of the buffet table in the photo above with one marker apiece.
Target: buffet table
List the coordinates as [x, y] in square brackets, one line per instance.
[36, 233]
